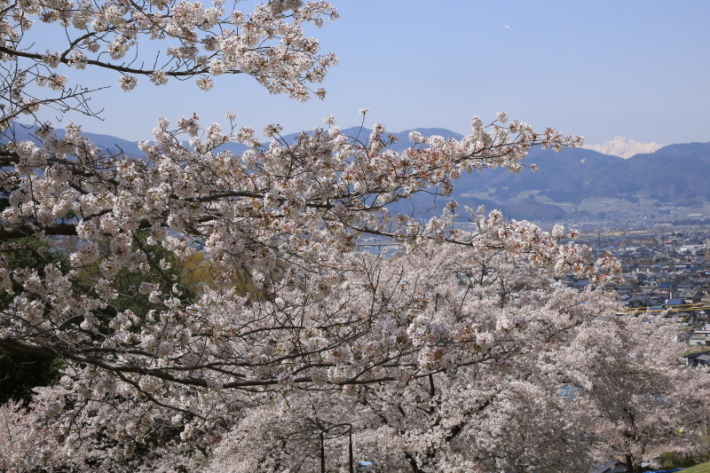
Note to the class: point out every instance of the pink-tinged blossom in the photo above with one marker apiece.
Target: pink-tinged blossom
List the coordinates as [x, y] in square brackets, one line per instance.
[127, 82]
[159, 78]
[205, 83]
[52, 58]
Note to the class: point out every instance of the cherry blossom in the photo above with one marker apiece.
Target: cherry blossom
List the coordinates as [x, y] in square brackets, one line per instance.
[267, 44]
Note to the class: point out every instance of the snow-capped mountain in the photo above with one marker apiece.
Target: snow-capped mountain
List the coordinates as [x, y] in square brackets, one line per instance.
[624, 147]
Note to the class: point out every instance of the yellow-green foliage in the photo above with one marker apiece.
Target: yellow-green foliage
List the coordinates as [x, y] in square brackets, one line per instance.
[702, 468]
[197, 272]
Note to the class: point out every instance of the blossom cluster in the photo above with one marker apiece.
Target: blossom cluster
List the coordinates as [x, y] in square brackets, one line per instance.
[199, 40]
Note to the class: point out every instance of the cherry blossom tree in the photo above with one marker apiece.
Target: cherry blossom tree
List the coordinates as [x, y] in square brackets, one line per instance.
[644, 401]
[481, 405]
[197, 42]
[562, 384]
[284, 214]
[460, 339]
[432, 355]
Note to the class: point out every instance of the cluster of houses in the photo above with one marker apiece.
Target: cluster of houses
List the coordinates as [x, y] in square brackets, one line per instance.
[667, 275]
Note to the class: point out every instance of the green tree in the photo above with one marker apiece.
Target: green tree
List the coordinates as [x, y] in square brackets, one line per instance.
[20, 373]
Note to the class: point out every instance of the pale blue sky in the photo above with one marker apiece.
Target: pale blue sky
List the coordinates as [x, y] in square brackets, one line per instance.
[640, 69]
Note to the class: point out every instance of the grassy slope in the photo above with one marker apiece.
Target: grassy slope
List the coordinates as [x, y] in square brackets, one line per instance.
[702, 468]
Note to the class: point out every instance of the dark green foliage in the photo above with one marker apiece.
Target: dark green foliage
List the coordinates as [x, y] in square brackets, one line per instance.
[127, 283]
[20, 373]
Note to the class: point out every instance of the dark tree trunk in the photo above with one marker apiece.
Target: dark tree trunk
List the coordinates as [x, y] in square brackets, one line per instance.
[632, 467]
[413, 463]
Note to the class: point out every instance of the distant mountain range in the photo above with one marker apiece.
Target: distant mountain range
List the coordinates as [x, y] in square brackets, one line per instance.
[677, 174]
[671, 174]
[111, 144]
